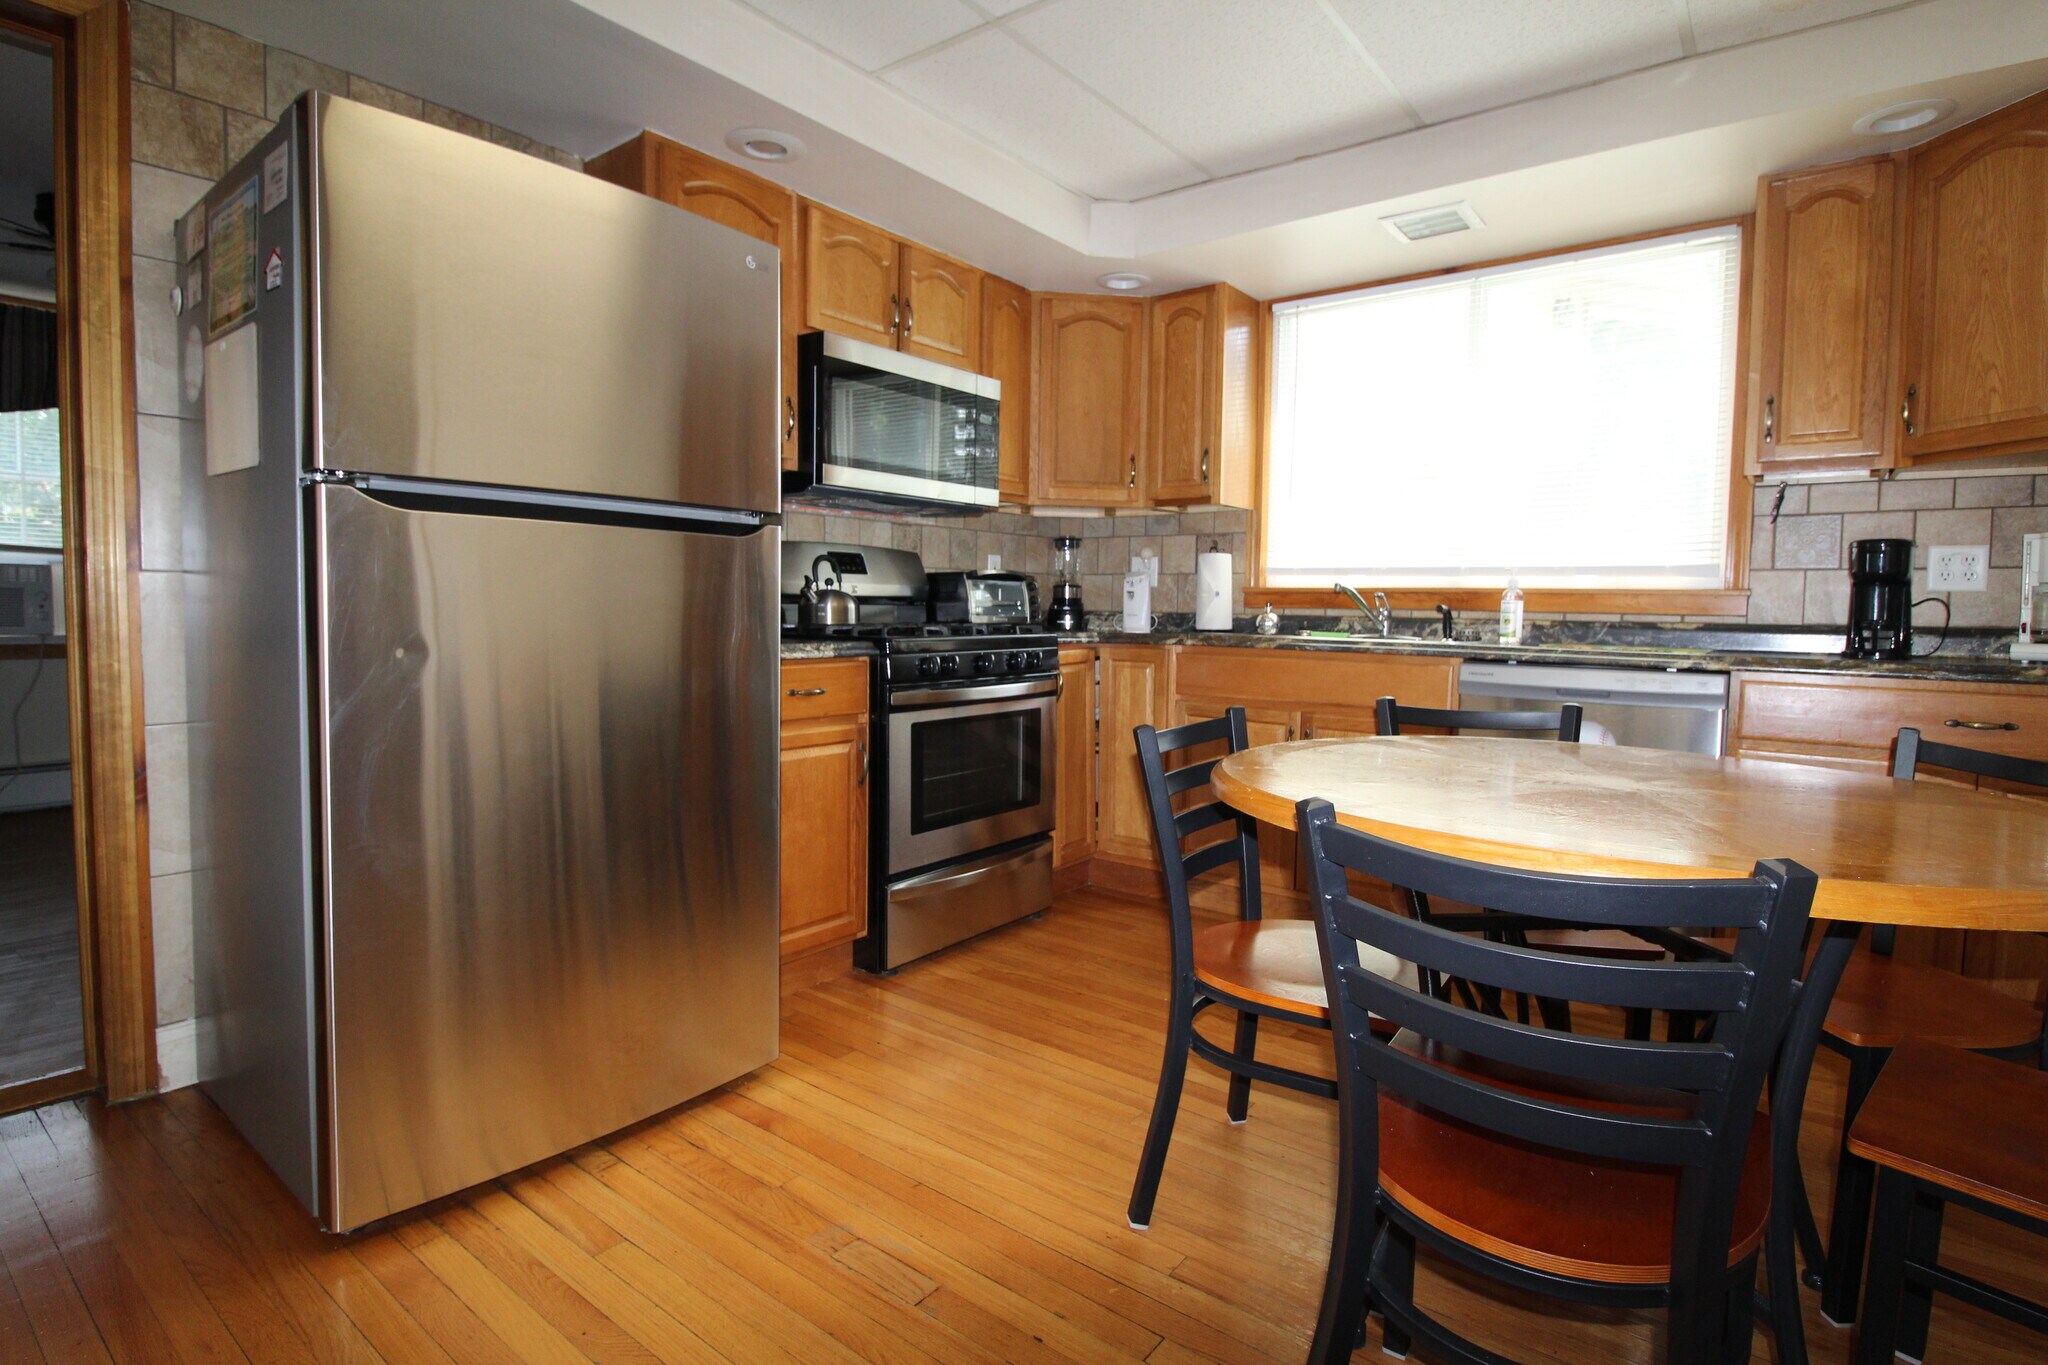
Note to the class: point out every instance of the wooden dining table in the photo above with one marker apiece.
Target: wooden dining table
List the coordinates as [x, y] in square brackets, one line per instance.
[1885, 851]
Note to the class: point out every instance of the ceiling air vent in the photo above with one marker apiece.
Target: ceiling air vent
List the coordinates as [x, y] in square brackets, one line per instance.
[1417, 224]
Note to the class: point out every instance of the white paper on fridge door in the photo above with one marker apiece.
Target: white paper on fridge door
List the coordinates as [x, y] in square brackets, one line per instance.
[231, 412]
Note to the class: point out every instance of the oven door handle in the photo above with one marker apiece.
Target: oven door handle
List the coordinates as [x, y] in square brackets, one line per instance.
[967, 696]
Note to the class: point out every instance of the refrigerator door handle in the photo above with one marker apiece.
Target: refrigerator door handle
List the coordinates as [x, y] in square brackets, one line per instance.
[399, 491]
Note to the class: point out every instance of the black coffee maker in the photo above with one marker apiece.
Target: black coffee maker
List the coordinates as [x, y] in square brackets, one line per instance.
[1880, 600]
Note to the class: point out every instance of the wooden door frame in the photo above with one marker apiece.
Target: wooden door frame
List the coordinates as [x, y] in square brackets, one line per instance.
[102, 511]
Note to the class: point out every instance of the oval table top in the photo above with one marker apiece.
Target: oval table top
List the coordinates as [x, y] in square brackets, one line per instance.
[1886, 851]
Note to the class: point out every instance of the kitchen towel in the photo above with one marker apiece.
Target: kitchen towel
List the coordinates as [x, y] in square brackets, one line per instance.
[1212, 591]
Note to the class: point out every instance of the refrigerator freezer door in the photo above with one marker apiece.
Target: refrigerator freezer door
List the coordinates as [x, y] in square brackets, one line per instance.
[483, 316]
[550, 824]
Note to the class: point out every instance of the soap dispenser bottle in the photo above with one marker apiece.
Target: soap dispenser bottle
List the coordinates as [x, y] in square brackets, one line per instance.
[1511, 613]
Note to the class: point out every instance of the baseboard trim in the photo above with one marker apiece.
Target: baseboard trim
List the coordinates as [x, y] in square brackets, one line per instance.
[177, 1055]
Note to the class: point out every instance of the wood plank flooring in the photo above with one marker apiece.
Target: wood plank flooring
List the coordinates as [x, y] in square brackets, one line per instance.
[935, 1171]
[42, 1020]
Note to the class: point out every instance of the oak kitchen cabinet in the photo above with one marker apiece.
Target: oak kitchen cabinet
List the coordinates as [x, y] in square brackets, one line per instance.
[710, 188]
[1073, 837]
[864, 283]
[1090, 417]
[1009, 325]
[824, 849]
[1136, 688]
[1822, 310]
[1202, 397]
[1974, 341]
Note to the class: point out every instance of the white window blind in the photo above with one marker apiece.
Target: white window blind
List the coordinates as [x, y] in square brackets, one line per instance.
[1568, 420]
[31, 496]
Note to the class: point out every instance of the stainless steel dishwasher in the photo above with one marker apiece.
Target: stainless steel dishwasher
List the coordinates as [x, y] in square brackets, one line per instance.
[1645, 707]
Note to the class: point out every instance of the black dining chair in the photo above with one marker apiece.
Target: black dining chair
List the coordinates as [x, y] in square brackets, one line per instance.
[1627, 1173]
[1880, 1002]
[1257, 967]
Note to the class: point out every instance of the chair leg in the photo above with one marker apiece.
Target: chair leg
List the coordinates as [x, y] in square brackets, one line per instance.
[1849, 1225]
[1878, 1338]
[1398, 1276]
[1916, 1301]
[1340, 1322]
[1738, 1319]
[1247, 1045]
[1173, 1070]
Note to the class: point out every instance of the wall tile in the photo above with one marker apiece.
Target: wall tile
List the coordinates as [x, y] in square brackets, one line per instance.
[159, 385]
[244, 131]
[1765, 499]
[163, 647]
[1997, 605]
[1899, 494]
[2008, 524]
[1809, 542]
[218, 65]
[287, 75]
[1874, 526]
[170, 798]
[170, 914]
[176, 132]
[150, 46]
[384, 97]
[1954, 528]
[1761, 533]
[1777, 597]
[158, 198]
[1860, 496]
[1827, 598]
[2004, 490]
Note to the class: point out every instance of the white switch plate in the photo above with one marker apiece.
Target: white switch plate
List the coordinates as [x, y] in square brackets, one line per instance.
[993, 564]
[1957, 568]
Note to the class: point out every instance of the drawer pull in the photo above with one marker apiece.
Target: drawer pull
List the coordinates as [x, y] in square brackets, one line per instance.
[819, 692]
[1982, 725]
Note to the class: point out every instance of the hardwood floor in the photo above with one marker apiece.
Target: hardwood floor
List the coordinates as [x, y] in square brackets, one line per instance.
[935, 1171]
[42, 1020]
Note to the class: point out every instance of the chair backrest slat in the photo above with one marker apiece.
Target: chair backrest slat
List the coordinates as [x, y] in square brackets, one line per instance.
[1912, 753]
[1568, 720]
[1170, 827]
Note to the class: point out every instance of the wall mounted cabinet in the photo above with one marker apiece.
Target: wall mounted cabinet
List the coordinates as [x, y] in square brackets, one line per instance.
[1009, 331]
[1202, 398]
[863, 283]
[1090, 419]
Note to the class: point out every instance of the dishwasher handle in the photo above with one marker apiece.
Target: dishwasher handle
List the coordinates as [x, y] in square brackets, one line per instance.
[1583, 693]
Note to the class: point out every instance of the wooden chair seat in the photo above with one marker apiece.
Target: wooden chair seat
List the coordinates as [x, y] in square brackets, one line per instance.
[1883, 1001]
[1274, 962]
[1553, 1211]
[1962, 1120]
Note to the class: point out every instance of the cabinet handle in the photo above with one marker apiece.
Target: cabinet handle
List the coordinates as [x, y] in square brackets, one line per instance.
[1134, 471]
[909, 317]
[1982, 725]
[895, 315]
[1906, 412]
[806, 691]
[789, 422]
[863, 780]
[1770, 419]
[1205, 466]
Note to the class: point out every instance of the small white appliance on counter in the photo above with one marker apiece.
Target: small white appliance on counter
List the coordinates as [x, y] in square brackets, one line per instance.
[2033, 639]
[1137, 603]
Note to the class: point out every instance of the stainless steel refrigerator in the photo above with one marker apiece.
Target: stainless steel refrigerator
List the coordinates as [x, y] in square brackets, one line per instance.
[482, 655]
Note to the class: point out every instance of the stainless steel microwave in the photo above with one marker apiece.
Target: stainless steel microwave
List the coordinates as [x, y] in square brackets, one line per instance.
[878, 428]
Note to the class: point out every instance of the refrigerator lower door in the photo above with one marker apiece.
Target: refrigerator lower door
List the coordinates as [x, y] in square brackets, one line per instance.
[549, 829]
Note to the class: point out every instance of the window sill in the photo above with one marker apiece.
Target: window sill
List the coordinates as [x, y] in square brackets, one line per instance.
[1601, 601]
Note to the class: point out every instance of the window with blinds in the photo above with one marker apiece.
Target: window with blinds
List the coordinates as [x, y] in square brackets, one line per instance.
[31, 494]
[1568, 420]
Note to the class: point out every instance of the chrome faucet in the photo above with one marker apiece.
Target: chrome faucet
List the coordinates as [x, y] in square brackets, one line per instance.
[1377, 611]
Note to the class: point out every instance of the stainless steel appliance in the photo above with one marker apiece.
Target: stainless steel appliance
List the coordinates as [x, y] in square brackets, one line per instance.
[2032, 644]
[879, 428]
[983, 598]
[1880, 600]
[484, 750]
[28, 601]
[964, 779]
[1650, 708]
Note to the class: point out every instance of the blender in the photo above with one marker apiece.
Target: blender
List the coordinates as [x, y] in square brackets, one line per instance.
[1065, 612]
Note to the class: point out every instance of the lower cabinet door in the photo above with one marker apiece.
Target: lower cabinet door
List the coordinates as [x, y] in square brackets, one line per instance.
[824, 832]
[1073, 839]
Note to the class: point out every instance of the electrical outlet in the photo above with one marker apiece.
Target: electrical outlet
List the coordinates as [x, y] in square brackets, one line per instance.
[1957, 568]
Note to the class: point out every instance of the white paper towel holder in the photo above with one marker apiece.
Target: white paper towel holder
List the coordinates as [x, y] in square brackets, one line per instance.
[1212, 589]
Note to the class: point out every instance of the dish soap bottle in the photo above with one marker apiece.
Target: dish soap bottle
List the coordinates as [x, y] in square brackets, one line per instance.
[1511, 613]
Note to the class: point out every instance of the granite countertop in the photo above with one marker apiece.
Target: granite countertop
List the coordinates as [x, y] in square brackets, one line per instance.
[826, 649]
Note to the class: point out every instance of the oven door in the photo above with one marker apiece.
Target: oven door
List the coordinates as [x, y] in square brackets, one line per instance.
[969, 768]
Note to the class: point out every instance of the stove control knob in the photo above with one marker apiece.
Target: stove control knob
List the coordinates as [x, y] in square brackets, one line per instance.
[1028, 658]
[949, 665]
[928, 666]
[986, 663]
[1019, 660]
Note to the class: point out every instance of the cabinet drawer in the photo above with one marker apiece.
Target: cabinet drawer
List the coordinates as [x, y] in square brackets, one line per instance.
[1854, 720]
[824, 687]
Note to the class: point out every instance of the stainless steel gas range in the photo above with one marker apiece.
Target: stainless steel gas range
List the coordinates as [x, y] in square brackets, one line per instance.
[964, 714]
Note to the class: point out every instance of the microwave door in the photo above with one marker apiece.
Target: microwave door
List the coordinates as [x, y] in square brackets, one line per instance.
[899, 426]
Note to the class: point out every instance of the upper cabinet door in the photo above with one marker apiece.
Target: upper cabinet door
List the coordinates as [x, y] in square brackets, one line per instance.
[1006, 355]
[941, 308]
[850, 278]
[1091, 409]
[1825, 243]
[1183, 396]
[1974, 354]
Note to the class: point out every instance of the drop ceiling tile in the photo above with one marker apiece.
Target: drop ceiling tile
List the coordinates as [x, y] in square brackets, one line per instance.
[1233, 86]
[1450, 60]
[872, 33]
[1724, 23]
[998, 89]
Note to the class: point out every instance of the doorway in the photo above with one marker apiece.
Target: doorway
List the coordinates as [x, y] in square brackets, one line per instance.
[43, 1007]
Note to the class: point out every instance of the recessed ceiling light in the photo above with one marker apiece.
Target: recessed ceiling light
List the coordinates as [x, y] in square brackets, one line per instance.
[1903, 118]
[1420, 224]
[765, 144]
[1123, 279]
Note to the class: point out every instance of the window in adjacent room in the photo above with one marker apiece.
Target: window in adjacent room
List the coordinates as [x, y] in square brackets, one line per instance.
[1568, 419]
[31, 496]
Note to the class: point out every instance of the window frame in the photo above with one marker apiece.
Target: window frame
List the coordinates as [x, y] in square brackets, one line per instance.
[1730, 599]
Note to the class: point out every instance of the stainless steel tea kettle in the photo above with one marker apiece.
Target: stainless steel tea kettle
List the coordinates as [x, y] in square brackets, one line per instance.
[818, 605]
